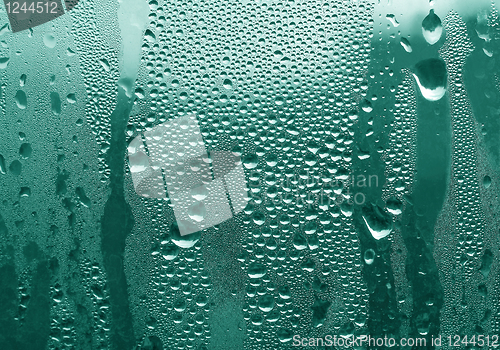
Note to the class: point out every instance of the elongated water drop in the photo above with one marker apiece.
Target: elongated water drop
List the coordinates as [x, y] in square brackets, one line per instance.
[432, 29]
[406, 45]
[21, 99]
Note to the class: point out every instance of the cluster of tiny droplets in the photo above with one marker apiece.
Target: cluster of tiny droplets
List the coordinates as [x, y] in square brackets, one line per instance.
[278, 85]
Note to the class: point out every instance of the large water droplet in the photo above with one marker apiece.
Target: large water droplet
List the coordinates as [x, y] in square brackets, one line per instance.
[394, 206]
[149, 35]
[256, 270]
[170, 251]
[266, 303]
[284, 335]
[199, 193]
[431, 76]
[250, 161]
[432, 29]
[378, 222]
[228, 84]
[186, 241]
[487, 181]
[138, 162]
[105, 64]
[16, 167]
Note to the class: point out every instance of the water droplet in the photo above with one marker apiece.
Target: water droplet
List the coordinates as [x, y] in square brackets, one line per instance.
[197, 211]
[186, 241]
[227, 84]
[4, 61]
[406, 45]
[3, 166]
[105, 64]
[21, 99]
[284, 335]
[431, 76]
[71, 98]
[25, 192]
[170, 251]
[369, 256]
[256, 270]
[82, 198]
[55, 103]
[394, 206]
[199, 193]
[15, 167]
[49, 40]
[432, 28]
[392, 19]
[25, 150]
[138, 162]
[366, 105]
[266, 303]
[149, 35]
[250, 161]
[487, 181]
[377, 221]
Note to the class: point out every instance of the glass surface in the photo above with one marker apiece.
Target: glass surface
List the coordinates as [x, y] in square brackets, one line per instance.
[226, 175]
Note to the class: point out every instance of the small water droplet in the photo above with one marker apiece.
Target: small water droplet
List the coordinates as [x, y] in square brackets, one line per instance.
[49, 40]
[406, 45]
[21, 99]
